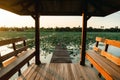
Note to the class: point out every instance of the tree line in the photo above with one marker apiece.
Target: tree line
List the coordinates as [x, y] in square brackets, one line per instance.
[17, 29]
[62, 29]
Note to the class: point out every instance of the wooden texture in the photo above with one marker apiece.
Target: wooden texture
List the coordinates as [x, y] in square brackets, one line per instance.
[107, 68]
[11, 62]
[104, 52]
[11, 54]
[59, 71]
[111, 57]
[106, 63]
[108, 41]
[96, 8]
[37, 34]
[10, 41]
[84, 30]
[8, 71]
[60, 55]
[98, 67]
[113, 43]
[99, 39]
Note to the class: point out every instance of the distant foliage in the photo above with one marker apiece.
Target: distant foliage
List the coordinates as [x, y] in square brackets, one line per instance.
[62, 29]
[17, 29]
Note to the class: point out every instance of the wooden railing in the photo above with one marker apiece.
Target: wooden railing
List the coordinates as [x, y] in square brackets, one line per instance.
[108, 65]
[12, 62]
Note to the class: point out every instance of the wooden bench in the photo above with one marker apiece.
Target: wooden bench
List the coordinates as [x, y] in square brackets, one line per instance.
[108, 65]
[13, 61]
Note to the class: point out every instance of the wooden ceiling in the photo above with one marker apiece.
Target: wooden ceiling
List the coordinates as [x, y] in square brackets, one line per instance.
[61, 7]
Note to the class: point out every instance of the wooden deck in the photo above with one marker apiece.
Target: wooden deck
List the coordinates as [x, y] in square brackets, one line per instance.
[60, 55]
[60, 68]
[59, 71]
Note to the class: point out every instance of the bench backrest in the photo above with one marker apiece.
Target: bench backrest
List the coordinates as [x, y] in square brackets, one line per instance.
[105, 52]
[17, 47]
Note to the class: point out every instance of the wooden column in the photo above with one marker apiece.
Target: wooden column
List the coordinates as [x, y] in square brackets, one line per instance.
[37, 40]
[84, 31]
[0, 61]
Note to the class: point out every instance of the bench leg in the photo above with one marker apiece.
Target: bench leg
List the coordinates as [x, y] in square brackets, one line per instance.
[28, 64]
[99, 74]
[91, 65]
[19, 73]
[1, 65]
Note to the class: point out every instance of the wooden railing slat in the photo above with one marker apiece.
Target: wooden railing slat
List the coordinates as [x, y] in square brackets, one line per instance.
[99, 39]
[113, 43]
[109, 42]
[111, 57]
[5, 42]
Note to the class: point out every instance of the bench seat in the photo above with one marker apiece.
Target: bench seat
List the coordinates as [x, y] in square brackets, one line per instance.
[105, 63]
[107, 68]
[12, 68]
[13, 61]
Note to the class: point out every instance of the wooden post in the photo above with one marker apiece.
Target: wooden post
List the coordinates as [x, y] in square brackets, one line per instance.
[84, 30]
[14, 47]
[37, 40]
[24, 43]
[0, 61]
[106, 47]
[97, 44]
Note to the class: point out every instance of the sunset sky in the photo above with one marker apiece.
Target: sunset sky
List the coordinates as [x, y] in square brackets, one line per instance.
[9, 19]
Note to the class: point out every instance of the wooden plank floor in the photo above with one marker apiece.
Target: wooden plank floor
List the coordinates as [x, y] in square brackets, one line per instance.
[60, 55]
[59, 71]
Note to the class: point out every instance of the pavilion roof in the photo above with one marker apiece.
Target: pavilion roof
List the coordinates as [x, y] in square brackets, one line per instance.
[61, 7]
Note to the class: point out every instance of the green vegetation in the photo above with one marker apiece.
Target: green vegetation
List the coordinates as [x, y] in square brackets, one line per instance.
[53, 38]
[65, 36]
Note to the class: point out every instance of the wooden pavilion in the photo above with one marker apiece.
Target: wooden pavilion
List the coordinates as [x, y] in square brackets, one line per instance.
[84, 8]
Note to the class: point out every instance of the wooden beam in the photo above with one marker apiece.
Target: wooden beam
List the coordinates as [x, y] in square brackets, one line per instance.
[97, 7]
[84, 30]
[33, 16]
[88, 17]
